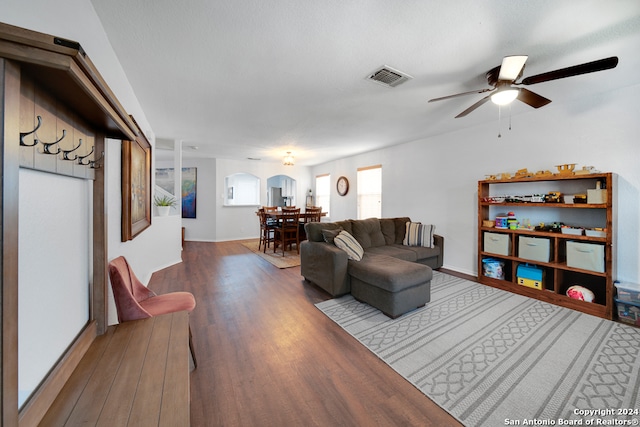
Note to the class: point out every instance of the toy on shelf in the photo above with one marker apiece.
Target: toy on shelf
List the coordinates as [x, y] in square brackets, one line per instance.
[542, 174]
[523, 173]
[554, 197]
[581, 293]
[586, 170]
[512, 221]
[566, 169]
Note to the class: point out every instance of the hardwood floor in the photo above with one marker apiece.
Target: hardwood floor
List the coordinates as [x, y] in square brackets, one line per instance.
[268, 357]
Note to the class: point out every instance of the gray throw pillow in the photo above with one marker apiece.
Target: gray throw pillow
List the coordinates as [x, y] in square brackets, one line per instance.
[329, 235]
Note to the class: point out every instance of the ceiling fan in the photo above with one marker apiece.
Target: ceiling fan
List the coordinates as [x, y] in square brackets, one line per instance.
[503, 79]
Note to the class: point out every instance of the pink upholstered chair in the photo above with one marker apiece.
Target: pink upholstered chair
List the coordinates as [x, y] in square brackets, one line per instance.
[135, 301]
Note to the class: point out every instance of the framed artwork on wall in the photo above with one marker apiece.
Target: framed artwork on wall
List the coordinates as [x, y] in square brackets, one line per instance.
[189, 192]
[136, 186]
[165, 179]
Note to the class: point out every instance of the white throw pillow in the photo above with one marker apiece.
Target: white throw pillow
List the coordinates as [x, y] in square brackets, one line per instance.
[350, 245]
[418, 234]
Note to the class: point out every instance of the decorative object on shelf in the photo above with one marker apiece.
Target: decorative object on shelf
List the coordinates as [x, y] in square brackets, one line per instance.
[288, 159]
[309, 200]
[164, 204]
[488, 223]
[581, 293]
[566, 169]
[342, 185]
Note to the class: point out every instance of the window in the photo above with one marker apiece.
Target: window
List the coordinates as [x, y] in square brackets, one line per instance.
[370, 192]
[323, 192]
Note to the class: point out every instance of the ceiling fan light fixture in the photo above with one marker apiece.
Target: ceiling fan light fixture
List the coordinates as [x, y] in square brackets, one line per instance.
[288, 159]
[505, 96]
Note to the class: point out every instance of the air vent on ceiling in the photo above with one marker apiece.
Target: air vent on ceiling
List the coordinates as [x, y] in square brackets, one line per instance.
[388, 76]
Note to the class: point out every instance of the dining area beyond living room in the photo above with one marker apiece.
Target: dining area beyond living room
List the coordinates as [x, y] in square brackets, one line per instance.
[284, 226]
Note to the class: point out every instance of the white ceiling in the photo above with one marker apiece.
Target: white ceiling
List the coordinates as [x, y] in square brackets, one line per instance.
[242, 78]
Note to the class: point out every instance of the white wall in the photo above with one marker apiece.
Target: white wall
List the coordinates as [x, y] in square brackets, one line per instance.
[435, 180]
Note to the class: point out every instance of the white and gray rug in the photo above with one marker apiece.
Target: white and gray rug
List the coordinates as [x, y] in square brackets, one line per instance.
[493, 358]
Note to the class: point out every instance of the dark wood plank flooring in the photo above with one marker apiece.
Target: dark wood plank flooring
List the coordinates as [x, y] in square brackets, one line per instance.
[268, 357]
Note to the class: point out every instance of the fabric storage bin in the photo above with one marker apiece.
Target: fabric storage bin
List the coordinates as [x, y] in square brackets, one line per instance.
[628, 292]
[587, 256]
[497, 243]
[628, 312]
[534, 248]
[597, 196]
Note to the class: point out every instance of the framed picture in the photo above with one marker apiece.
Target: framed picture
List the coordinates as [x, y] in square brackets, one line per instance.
[189, 186]
[136, 186]
[166, 178]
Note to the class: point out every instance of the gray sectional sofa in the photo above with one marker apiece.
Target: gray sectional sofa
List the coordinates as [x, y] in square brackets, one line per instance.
[392, 277]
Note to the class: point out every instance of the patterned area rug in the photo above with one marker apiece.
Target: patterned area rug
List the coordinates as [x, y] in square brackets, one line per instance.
[290, 259]
[493, 358]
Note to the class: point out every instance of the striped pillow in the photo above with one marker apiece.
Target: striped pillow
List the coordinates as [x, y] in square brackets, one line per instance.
[350, 245]
[418, 234]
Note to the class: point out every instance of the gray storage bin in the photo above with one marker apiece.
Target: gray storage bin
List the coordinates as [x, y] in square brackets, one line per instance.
[497, 243]
[534, 248]
[587, 256]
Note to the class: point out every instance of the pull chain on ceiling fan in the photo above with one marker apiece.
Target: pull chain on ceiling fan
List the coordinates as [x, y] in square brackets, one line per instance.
[506, 89]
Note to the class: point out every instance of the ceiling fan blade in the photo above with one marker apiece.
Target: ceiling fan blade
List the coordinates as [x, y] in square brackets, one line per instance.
[588, 67]
[511, 67]
[474, 106]
[461, 94]
[532, 99]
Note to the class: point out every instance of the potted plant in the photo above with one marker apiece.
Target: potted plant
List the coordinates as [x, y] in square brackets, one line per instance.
[164, 204]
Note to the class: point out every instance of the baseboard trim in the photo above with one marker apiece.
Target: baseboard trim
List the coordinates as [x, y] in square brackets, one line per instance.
[459, 274]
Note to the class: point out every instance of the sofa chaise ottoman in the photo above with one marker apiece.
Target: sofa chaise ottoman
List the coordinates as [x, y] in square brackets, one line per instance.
[391, 276]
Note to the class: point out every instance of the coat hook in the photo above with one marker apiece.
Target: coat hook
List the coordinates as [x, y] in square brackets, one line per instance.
[23, 134]
[65, 153]
[94, 163]
[46, 146]
[81, 158]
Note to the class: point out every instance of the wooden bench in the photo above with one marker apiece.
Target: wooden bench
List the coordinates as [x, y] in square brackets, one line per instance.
[136, 374]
